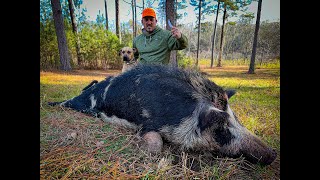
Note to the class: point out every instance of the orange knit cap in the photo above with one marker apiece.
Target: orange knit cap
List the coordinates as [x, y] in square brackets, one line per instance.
[148, 12]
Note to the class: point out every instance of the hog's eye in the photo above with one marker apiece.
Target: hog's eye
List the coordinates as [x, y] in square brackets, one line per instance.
[129, 52]
[123, 52]
[223, 104]
[226, 124]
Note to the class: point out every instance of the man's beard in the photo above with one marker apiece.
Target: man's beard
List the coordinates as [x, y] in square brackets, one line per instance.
[149, 29]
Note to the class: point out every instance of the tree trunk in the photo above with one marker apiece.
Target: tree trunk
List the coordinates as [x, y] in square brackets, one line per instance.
[106, 11]
[171, 15]
[133, 20]
[142, 4]
[117, 20]
[189, 38]
[214, 34]
[255, 40]
[199, 27]
[222, 34]
[75, 31]
[61, 36]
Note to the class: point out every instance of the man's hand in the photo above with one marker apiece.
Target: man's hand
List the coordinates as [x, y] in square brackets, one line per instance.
[175, 32]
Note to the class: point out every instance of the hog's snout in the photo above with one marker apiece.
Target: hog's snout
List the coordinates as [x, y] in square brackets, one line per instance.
[272, 158]
[245, 143]
[257, 151]
[265, 158]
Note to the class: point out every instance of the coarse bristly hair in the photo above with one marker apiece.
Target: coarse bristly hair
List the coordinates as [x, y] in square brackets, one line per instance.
[188, 134]
[183, 106]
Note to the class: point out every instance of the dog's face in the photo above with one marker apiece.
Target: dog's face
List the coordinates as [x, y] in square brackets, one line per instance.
[127, 53]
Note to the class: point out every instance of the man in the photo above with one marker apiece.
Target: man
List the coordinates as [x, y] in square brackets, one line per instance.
[155, 44]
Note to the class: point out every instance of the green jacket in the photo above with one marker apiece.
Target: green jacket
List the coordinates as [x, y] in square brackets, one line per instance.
[156, 47]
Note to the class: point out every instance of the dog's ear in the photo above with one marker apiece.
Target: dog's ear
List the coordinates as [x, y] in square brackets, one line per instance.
[135, 50]
[120, 52]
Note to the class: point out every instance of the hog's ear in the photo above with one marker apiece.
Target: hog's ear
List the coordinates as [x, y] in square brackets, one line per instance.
[230, 93]
[212, 117]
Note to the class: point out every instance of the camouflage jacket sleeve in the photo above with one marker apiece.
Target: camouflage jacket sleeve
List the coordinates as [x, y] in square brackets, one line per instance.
[178, 44]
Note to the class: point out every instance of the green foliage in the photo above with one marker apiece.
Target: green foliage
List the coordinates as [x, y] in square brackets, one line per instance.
[232, 5]
[127, 33]
[248, 15]
[267, 64]
[206, 8]
[246, 18]
[100, 20]
[97, 44]
[49, 55]
[269, 39]
[98, 47]
[45, 11]
[184, 61]
[274, 63]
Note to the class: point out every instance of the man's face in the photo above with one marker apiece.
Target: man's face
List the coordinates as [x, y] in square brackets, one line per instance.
[149, 23]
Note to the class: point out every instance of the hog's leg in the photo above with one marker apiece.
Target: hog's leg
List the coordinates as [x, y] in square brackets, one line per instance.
[153, 142]
[90, 85]
[117, 121]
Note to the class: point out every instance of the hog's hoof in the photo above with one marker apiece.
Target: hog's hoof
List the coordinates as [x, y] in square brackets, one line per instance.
[152, 142]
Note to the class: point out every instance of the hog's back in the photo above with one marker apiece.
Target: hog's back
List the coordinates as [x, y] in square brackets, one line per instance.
[153, 96]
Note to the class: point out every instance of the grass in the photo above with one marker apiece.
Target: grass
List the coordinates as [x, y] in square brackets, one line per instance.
[76, 146]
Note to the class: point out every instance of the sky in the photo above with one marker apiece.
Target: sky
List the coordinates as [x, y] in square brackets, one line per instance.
[270, 11]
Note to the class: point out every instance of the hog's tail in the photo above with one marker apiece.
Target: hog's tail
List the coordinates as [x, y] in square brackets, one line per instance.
[55, 103]
[65, 103]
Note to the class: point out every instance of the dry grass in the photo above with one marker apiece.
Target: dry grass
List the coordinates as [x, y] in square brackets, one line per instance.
[76, 146]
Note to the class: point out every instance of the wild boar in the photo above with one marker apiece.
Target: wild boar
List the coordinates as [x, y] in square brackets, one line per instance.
[180, 106]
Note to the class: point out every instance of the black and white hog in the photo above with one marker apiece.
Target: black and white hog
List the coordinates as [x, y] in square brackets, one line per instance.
[176, 105]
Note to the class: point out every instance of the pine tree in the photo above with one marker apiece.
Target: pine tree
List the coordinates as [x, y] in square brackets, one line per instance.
[61, 35]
